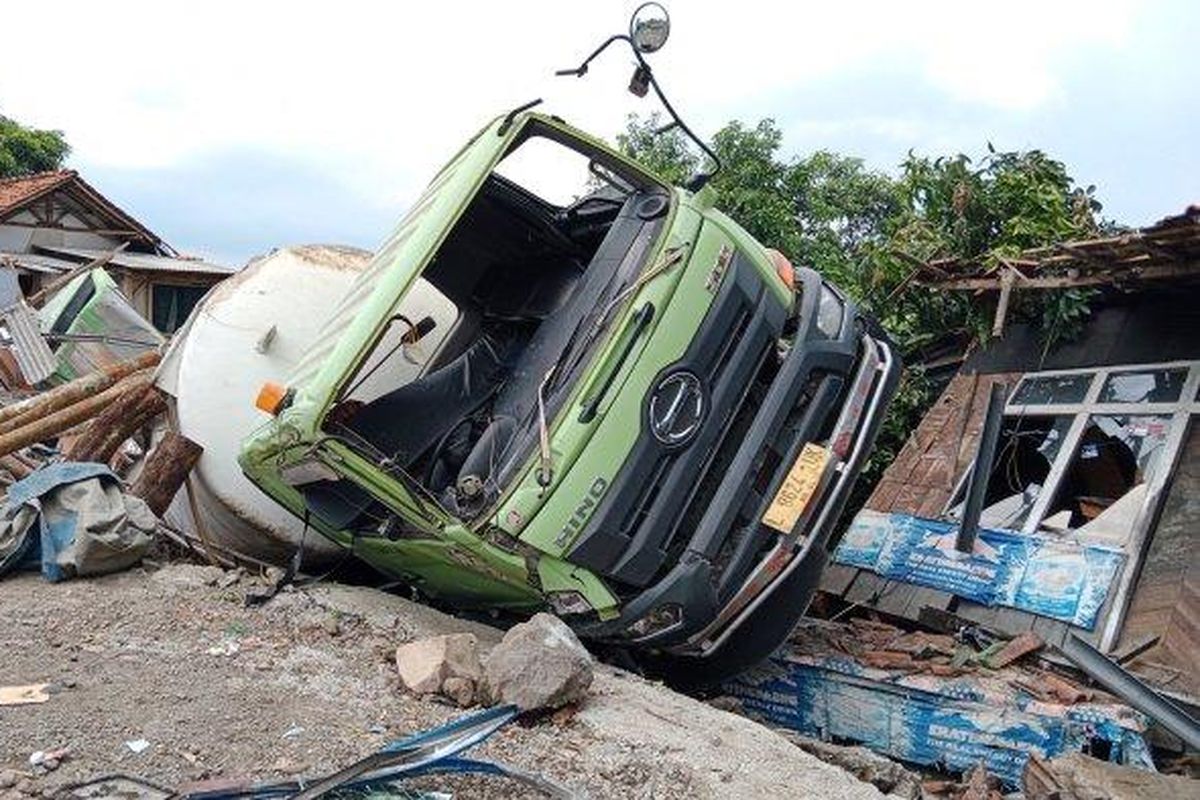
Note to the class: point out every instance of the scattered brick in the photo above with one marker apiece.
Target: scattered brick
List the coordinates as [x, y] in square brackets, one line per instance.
[1023, 645]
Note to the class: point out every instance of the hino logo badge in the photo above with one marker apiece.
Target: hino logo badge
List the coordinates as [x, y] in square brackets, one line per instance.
[677, 408]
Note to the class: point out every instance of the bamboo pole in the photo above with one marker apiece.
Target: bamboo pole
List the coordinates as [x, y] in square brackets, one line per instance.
[62, 420]
[20, 414]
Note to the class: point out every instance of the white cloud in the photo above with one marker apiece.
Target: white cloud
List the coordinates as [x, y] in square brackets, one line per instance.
[381, 94]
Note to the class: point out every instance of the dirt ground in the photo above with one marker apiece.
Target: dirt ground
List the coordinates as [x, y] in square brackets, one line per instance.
[305, 684]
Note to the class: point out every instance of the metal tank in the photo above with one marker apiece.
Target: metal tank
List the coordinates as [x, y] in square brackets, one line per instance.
[251, 328]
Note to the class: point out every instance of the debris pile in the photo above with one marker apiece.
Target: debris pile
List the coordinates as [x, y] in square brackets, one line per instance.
[938, 700]
[171, 680]
[88, 461]
[64, 457]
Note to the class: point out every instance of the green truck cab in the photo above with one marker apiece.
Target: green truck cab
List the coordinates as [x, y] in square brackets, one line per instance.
[564, 384]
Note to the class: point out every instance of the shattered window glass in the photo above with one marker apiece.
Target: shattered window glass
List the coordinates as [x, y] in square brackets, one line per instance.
[1024, 454]
[1144, 386]
[1053, 389]
[1117, 456]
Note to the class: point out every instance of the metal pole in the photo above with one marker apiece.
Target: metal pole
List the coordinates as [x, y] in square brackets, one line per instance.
[981, 469]
[1137, 694]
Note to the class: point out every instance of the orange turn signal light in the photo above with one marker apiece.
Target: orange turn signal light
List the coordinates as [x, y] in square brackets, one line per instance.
[783, 268]
[270, 397]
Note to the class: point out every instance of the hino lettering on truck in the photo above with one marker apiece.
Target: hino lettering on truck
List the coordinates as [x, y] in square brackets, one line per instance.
[582, 512]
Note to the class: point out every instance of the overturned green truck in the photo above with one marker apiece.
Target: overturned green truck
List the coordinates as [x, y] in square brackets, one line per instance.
[563, 383]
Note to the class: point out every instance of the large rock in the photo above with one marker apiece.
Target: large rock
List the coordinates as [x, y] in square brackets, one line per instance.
[427, 665]
[539, 664]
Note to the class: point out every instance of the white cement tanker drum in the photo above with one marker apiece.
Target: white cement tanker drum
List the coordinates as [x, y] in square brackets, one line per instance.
[250, 329]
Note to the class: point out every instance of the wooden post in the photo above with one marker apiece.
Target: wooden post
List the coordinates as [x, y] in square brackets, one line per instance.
[65, 419]
[136, 407]
[165, 470]
[37, 297]
[1006, 286]
[20, 414]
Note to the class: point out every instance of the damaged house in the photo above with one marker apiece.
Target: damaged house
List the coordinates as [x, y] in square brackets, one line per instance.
[53, 223]
[1048, 496]
[1088, 510]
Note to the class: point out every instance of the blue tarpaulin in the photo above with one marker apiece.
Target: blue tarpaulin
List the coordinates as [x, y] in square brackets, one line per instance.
[71, 519]
[1061, 579]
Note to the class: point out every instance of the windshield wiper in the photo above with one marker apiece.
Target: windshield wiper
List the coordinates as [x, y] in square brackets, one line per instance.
[670, 258]
[641, 321]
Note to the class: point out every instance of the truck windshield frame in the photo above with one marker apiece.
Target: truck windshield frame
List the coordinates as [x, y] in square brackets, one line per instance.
[414, 471]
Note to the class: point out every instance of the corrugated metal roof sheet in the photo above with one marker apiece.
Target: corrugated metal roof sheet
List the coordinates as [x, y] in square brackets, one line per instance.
[10, 289]
[33, 355]
[145, 262]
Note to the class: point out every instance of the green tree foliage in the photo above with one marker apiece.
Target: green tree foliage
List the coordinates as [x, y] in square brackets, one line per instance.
[868, 231]
[669, 154]
[25, 150]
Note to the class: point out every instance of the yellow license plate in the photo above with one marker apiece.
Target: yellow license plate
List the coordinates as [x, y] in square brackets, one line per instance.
[798, 488]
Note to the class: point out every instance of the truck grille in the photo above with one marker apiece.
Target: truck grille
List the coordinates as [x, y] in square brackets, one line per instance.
[733, 437]
[650, 511]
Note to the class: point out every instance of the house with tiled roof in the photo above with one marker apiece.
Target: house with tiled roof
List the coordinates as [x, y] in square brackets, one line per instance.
[52, 223]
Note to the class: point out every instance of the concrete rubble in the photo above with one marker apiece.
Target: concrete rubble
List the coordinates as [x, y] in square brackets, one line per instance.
[447, 664]
[1079, 777]
[296, 699]
[884, 774]
[539, 665]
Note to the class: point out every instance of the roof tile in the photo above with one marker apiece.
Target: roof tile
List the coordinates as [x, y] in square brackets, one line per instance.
[18, 190]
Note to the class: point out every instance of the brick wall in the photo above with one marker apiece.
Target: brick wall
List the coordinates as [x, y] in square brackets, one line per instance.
[926, 470]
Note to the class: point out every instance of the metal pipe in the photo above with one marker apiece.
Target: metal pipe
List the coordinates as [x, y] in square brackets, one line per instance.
[981, 469]
[1121, 683]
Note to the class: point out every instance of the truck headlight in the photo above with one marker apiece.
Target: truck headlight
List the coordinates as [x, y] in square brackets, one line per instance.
[830, 312]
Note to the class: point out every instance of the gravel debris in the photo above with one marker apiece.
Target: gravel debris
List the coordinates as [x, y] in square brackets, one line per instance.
[311, 686]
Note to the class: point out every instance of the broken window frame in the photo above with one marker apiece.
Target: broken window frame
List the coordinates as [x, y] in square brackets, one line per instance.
[1180, 413]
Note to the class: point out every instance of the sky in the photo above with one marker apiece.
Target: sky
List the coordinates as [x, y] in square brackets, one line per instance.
[231, 128]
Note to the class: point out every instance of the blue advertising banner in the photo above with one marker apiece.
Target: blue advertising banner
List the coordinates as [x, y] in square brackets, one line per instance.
[954, 723]
[1061, 579]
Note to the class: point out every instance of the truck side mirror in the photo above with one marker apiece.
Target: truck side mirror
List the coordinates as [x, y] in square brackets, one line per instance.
[649, 27]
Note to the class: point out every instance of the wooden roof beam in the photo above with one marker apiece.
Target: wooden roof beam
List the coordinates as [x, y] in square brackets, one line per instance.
[1108, 277]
